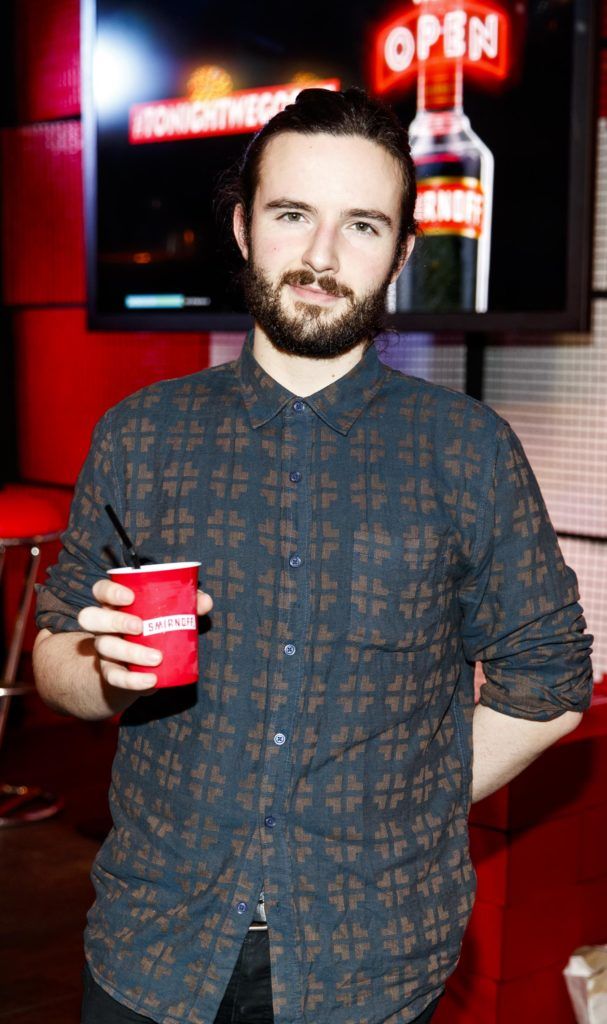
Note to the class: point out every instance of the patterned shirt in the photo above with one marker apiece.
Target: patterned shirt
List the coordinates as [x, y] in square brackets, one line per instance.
[363, 547]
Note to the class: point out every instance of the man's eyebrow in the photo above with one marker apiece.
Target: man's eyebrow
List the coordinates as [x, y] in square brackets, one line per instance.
[370, 215]
[358, 214]
[290, 204]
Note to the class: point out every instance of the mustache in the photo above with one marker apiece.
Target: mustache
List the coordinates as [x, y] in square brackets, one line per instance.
[305, 278]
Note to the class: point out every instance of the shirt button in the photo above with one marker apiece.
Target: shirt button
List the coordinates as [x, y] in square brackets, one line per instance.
[290, 649]
[269, 822]
[241, 908]
[280, 738]
[295, 476]
[299, 406]
[295, 561]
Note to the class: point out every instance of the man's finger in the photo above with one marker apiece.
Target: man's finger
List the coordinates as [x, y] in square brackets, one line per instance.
[114, 648]
[120, 677]
[204, 602]
[108, 592]
[106, 620]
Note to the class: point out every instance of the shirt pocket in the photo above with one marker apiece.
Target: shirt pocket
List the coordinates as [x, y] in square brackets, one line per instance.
[395, 602]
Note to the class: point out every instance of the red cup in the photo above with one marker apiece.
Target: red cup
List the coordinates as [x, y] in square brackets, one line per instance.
[165, 600]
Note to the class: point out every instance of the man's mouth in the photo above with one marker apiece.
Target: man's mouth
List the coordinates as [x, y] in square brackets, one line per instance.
[310, 293]
[320, 291]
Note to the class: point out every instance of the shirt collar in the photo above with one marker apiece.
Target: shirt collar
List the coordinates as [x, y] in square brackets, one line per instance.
[339, 405]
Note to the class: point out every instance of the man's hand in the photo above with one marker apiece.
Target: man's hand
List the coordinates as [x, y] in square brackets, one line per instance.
[110, 623]
[85, 674]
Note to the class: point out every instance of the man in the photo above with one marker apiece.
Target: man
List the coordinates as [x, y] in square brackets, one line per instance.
[366, 538]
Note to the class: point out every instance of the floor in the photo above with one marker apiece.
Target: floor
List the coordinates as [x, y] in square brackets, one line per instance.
[45, 866]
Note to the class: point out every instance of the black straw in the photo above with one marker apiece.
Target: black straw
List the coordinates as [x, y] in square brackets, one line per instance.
[126, 540]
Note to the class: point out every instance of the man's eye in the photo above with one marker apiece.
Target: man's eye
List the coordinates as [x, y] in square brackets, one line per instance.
[363, 228]
[291, 216]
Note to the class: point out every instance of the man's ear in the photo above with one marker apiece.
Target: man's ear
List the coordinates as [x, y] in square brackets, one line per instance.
[404, 256]
[239, 227]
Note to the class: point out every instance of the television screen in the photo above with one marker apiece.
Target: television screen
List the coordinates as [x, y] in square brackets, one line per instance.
[497, 98]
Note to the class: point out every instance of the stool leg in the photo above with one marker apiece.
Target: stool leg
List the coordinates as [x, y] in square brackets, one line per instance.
[16, 644]
[21, 803]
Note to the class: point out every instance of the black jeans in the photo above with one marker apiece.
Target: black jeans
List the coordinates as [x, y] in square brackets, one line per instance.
[247, 1000]
[248, 997]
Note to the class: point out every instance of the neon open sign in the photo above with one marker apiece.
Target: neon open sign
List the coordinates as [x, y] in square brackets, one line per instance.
[473, 34]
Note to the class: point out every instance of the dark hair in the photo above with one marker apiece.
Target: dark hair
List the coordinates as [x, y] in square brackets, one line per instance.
[315, 111]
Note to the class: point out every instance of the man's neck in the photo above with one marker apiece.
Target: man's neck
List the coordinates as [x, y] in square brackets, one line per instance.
[299, 374]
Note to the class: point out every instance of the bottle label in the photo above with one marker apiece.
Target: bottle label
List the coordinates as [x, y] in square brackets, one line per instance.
[450, 206]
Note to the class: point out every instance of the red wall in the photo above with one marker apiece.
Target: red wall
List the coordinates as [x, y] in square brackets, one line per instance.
[66, 376]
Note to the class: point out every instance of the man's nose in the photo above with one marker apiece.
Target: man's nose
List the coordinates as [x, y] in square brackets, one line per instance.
[321, 253]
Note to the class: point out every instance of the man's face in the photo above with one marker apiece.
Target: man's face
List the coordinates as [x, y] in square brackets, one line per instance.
[323, 242]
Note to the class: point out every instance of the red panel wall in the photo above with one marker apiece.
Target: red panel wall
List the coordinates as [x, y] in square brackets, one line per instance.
[48, 59]
[68, 376]
[538, 849]
[42, 236]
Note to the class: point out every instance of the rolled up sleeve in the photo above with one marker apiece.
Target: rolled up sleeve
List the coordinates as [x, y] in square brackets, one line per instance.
[521, 615]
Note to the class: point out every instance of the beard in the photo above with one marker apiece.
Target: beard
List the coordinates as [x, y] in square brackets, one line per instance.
[313, 331]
